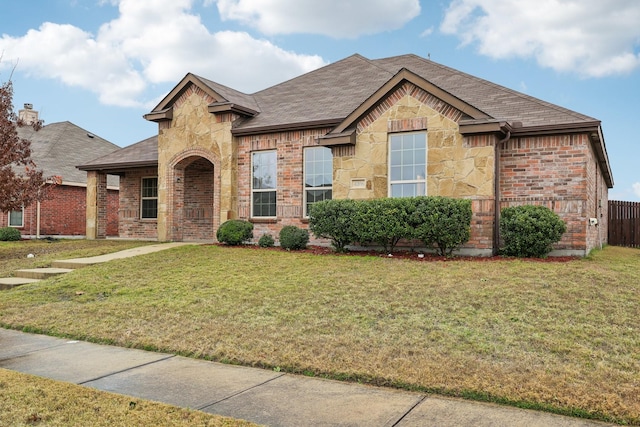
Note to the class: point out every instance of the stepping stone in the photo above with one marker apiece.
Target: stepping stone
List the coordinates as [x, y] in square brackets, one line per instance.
[41, 273]
[12, 282]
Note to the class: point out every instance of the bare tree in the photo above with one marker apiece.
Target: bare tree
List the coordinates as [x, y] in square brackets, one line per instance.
[21, 183]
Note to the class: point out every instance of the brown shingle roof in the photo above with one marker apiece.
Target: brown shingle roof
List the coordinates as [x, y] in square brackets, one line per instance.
[329, 95]
[140, 154]
[58, 147]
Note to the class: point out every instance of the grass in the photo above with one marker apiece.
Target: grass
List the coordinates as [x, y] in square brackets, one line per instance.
[558, 336]
[29, 400]
[13, 255]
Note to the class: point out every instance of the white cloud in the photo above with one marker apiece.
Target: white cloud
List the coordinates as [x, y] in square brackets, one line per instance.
[592, 38]
[636, 189]
[149, 43]
[333, 18]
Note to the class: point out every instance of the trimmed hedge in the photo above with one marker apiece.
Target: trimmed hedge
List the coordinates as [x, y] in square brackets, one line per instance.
[266, 241]
[530, 231]
[235, 232]
[439, 222]
[8, 234]
[443, 222]
[384, 221]
[293, 238]
[333, 219]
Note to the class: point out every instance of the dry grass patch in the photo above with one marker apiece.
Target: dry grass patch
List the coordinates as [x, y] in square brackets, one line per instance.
[27, 400]
[13, 255]
[556, 336]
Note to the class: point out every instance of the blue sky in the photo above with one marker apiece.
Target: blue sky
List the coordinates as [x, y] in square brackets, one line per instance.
[102, 64]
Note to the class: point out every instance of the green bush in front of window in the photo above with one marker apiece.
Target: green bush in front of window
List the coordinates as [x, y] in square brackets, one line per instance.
[442, 222]
[8, 234]
[235, 232]
[384, 221]
[333, 219]
[439, 222]
[293, 238]
[530, 231]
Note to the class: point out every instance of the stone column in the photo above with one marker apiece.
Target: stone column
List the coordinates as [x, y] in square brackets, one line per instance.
[96, 205]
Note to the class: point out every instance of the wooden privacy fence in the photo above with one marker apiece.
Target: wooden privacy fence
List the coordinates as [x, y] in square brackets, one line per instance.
[624, 223]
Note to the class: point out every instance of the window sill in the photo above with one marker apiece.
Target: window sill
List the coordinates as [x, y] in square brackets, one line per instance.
[263, 220]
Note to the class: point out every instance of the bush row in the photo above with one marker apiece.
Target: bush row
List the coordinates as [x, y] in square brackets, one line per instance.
[439, 222]
[237, 231]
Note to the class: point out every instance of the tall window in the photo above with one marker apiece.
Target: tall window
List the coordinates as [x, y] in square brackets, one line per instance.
[149, 199]
[318, 176]
[263, 184]
[16, 218]
[408, 164]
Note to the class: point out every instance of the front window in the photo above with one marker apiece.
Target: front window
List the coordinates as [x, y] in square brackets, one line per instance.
[408, 164]
[16, 218]
[318, 176]
[149, 199]
[263, 184]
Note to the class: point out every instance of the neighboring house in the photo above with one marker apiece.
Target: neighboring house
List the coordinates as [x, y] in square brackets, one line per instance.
[56, 149]
[360, 129]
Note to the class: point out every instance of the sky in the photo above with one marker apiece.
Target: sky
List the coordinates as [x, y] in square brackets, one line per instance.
[103, 64]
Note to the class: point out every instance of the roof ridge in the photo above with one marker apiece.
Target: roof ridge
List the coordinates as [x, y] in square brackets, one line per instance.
[355, 55]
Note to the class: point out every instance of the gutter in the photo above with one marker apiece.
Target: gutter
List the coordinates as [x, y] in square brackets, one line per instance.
[506, 130]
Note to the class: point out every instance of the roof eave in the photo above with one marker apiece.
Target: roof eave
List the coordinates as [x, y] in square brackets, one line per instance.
[159, 116]
[229, 107]
[116, 167]
[285, 127]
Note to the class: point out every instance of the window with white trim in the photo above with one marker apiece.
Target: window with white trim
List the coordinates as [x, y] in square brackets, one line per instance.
[16, 218]
[408, 164]
[149, 198]
[318, 176]
[264, 170]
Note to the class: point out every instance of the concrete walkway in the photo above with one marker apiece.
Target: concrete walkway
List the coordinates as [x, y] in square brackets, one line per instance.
[30, 275]
[257, 395]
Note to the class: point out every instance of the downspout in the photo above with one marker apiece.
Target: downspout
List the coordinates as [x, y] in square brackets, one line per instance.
[496, 188]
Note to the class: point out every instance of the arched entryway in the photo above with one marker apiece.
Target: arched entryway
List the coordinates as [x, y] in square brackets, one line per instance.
[194, 205]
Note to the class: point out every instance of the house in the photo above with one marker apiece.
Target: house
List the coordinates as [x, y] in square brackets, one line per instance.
[357, 128]
[56, 149]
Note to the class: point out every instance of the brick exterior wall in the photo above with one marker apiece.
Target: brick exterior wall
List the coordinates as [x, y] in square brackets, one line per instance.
[561, 173]
[197, 202]
[289, 197]
[64, 213]
[130, 225]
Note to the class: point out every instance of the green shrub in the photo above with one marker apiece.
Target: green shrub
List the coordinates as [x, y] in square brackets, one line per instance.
[333, 219]
[443, 222]
[235, 232]
[530, 231]
[293, 238]
[266, 241]
[9, 234]
[383, 221]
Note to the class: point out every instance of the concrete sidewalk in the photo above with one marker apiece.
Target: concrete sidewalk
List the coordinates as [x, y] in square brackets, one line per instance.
[257, 395]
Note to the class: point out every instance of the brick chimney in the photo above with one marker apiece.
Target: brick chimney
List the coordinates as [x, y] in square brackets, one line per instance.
[28, 115]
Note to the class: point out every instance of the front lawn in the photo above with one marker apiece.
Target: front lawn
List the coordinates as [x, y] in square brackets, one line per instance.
[558, 336]
[29, 400]
[13, 255]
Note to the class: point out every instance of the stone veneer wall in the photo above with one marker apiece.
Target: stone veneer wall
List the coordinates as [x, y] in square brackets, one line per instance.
[194, 132]
[130, 224]
[551, 171]
[456, 167]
